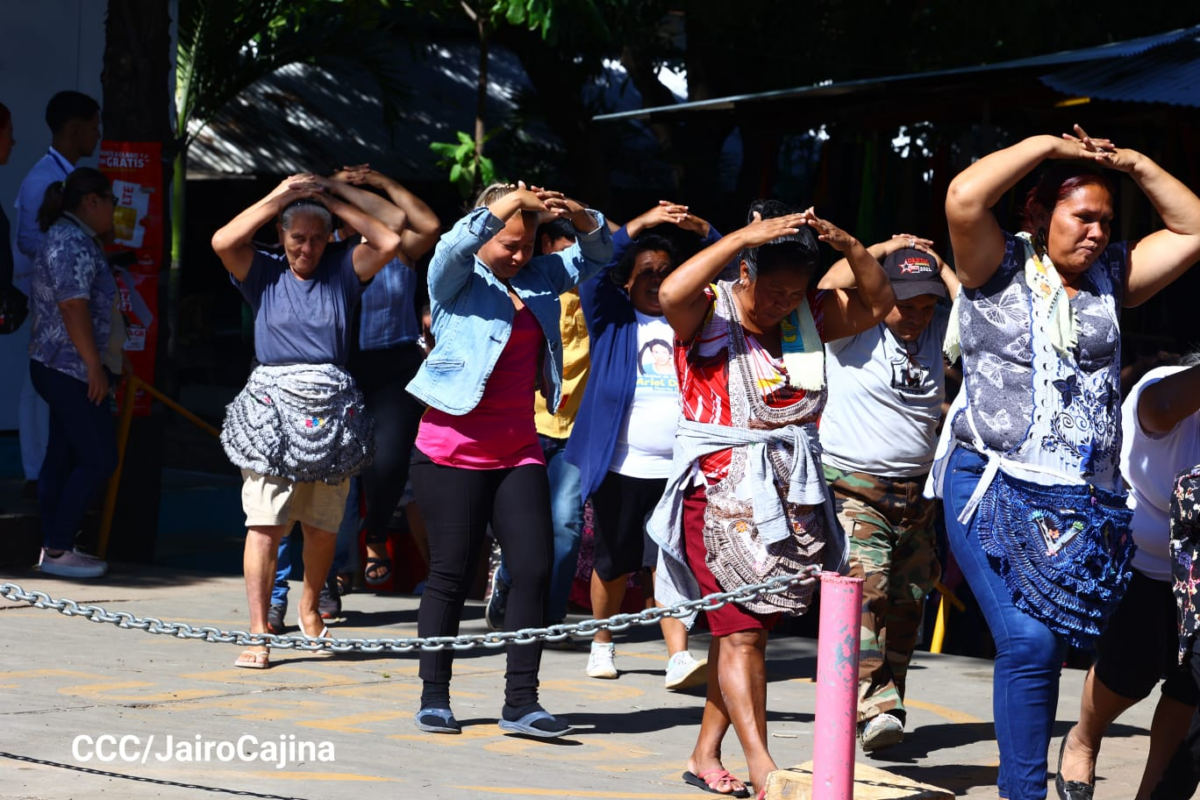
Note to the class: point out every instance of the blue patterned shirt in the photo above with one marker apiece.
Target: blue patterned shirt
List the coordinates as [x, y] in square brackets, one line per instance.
[69, 266]
[999, 366]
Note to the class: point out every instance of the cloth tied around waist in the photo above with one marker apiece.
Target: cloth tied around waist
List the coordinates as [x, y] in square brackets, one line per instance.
[303, 422]
[805, 486]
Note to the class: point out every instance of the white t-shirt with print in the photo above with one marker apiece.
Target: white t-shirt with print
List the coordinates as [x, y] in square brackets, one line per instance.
[647, 437]
[885, 399]
[1149, 465]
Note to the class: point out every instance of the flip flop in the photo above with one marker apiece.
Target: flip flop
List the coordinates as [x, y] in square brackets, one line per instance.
[525, 725]
[708, 781]
[252, 659]
[324, 634]
[437, 720]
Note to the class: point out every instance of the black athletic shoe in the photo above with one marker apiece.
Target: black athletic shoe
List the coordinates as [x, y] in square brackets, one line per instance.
[275, 617]
[330, 602]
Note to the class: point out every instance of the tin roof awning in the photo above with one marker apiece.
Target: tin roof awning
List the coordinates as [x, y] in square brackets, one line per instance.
[1160, 68]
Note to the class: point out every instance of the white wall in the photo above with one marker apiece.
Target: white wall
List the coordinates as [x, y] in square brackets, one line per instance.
[45, 47]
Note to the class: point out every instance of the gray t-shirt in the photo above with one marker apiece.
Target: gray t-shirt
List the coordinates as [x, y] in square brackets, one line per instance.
[885, 398]
[302, 321]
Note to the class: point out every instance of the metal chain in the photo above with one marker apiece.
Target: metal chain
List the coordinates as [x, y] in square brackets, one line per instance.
[554, 633]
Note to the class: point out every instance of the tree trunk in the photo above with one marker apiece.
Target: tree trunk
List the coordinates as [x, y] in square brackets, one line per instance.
[136, 67]
[481, 100]
[134, 80]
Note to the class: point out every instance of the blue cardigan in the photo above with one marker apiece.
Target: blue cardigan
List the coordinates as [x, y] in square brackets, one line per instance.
[612, 329]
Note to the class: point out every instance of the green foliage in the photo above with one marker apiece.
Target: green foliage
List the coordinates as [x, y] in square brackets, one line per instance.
[467, 173]
[536, 15]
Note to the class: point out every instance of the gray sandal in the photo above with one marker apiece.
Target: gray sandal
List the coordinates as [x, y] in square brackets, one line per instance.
[437, 720]
[525, 725]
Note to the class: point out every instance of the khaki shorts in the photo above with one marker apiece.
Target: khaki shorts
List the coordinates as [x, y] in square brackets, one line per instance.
[268, 500]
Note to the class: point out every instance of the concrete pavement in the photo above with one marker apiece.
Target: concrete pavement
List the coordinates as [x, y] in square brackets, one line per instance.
[341, 727]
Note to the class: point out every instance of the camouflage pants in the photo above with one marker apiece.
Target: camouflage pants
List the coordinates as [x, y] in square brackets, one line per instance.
[893, 548]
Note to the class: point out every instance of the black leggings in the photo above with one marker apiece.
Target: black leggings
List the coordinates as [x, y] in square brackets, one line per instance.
[457, 505]
[382, 376]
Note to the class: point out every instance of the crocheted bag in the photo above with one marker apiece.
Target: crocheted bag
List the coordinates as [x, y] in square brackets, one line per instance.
[1064, 552]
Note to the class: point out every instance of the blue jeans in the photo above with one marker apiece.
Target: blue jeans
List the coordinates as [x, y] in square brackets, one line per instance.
[1029, 656]
[566, 512]
[347, 536]
[81, 454]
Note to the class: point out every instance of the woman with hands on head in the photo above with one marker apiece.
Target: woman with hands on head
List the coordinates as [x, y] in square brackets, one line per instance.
[495, 314]
[623, 468]
[1028, 466]
[387, 357]
[297, 430]
[750, 360]
[384, 356]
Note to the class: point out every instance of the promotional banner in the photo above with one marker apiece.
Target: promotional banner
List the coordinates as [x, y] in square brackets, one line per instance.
[135, 169]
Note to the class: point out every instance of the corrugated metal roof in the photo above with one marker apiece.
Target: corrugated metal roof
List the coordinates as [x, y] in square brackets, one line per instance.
[1168, 73]
[304, 118]
[1114, 50]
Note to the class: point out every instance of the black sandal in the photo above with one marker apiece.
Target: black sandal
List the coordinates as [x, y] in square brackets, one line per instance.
[382, 569]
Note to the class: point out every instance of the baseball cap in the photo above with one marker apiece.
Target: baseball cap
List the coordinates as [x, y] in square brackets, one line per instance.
[913, 272]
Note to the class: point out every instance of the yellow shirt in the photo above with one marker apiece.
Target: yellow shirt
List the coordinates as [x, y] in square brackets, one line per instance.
[575, 371]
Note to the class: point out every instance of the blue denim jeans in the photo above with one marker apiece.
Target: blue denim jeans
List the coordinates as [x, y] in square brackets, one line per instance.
[81, 454]
[566, 512]
[347, 537]
[1029, 656]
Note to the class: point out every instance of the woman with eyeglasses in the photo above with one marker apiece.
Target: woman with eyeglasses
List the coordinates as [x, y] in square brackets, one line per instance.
[75, 355]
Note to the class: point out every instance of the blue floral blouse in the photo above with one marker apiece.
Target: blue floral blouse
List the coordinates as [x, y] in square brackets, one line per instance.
[69, 266]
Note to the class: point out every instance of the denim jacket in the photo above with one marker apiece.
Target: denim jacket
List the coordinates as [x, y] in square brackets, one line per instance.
[472, 313]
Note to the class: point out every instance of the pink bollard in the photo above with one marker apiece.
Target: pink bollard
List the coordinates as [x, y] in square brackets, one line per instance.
[837, 687]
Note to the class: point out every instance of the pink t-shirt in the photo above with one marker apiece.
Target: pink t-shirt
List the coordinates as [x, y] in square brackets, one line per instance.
[499, 433]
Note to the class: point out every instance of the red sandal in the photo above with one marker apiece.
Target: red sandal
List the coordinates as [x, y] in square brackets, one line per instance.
[709, 781]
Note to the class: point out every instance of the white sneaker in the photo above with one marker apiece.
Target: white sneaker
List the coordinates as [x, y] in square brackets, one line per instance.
[72, 564]
[881, 731]
[600, 662]
[684, 672]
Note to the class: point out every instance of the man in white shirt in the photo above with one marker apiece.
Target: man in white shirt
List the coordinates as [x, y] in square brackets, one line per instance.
[879, 433]
[74, 120]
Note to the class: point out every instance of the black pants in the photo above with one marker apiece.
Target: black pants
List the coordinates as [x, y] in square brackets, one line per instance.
[382, 376]
[1182, 775]
[458, 504]
[620, 507]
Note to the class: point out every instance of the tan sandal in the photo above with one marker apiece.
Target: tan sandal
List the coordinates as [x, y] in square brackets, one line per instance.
[253, 659]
